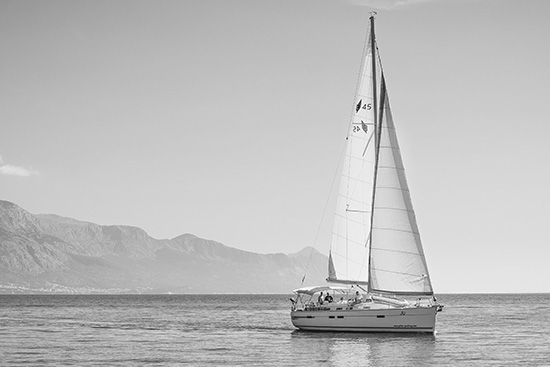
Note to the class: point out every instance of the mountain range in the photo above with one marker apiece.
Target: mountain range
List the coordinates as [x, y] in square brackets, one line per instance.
[46, 253]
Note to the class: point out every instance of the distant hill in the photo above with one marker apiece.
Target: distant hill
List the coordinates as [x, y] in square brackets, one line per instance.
[52, 254]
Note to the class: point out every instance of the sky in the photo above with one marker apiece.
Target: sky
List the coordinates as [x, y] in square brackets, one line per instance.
[226, 119]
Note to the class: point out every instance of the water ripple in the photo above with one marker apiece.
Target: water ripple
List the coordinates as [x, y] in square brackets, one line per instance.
[473, 330]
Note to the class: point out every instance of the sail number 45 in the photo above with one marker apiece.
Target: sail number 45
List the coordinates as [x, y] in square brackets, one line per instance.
[362, 106]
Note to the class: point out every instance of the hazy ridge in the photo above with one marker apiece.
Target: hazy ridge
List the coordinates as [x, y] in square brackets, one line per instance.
[53, 254]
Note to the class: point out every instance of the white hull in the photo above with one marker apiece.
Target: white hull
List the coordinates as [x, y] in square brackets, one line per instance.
[406, 319]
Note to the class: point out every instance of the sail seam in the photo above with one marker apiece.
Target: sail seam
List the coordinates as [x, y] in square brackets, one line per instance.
[393, 167]
[354, 262]
[356, 180]
[350, 220]
[348, 239]
[401, 252]
[350, 261]
[393, 188]
[360, 159]
[394, 229]
[400, 209]
[397, 272]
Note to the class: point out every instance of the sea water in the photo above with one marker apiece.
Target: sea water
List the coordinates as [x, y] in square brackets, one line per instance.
[236, 330]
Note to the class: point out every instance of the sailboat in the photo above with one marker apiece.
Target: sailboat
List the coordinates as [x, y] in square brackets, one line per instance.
[378, 279]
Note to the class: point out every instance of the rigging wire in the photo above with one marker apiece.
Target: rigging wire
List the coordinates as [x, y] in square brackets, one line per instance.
[324, 213]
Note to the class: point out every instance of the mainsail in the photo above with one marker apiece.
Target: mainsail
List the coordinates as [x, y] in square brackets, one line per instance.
[348, 259]
[375, 237]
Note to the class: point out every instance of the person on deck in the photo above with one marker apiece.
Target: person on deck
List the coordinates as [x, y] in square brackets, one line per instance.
[328, 298]
[358, 298]
[320, 299]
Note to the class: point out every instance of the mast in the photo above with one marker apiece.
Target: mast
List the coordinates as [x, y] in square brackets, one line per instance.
[376, 138]
[373, 58]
